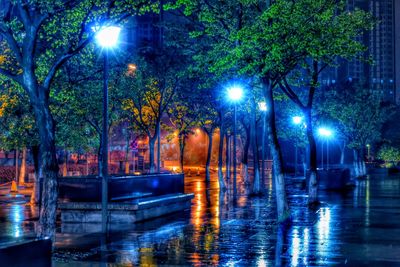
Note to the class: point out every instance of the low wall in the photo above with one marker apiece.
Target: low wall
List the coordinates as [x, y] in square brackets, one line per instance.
[81, 189]
[333, 179]
[29, 253]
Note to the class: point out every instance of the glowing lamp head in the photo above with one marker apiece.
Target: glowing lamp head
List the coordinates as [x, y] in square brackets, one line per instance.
[108, 37]
[325, 132]
[297, 120]
[235, 93]
[262, 106]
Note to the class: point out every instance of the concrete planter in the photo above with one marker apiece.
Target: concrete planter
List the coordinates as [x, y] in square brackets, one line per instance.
[88, 189]
[125, 213]
[333, 179]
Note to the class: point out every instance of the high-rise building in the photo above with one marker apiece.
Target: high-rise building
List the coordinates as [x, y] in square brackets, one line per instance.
[382, 49]
[397, 49]
[382, 77]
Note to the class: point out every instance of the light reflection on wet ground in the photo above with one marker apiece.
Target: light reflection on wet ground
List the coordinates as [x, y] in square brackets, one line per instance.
[16, 218]
[356, 228]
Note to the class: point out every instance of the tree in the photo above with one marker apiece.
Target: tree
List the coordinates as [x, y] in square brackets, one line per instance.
[41, 36]
[359, 116]
[183, 118]
[235, 31]
[390, 155]
[18, 130]
[151, 90]
[77, 106]
[316, 34]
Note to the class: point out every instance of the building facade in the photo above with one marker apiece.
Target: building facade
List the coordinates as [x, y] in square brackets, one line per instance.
[382, 77]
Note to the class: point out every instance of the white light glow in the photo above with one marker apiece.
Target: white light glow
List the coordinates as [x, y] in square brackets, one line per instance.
[235, 93]
[325, 132]
[297, 119]
[108, 37]
[262, 106]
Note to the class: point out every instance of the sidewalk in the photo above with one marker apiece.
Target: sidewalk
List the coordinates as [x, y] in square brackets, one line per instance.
[24, 192]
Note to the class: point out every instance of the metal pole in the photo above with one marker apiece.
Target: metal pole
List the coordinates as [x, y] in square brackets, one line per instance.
[322, 154]
[263, 150]
[327, 154]
[159, 149]
[295, 159]
[234, 151]
[104, 170]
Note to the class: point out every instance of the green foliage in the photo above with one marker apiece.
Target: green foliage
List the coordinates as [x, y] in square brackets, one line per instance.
[358, 115]
[148, 92]
[390, 155]
[17, 127]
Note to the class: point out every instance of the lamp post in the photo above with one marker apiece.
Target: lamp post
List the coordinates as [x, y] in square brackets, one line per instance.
[263, 108]
[326, 134]
[235, 93]
[106, 38]
[368, 152]
[296, 120]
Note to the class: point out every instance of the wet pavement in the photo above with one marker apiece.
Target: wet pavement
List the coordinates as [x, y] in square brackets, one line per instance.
[355, 228]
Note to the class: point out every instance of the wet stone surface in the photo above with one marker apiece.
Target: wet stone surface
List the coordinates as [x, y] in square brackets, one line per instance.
[355, 228]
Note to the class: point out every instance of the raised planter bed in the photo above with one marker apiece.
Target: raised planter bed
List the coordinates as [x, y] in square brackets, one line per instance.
[125, 212]
[88, 189]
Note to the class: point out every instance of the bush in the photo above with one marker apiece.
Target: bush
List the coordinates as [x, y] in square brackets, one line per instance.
[390, 155]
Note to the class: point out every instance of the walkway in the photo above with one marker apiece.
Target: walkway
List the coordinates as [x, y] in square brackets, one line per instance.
[357, 228]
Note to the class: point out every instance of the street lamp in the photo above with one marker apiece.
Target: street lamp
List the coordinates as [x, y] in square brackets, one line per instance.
[235, 93]
[326, 134]
[107, 38]
[262, 106]
[297, 120]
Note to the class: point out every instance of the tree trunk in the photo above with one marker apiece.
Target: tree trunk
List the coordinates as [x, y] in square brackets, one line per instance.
[16, 160]
[222, 186]
[35, 197]
[182, 144]
[278, 172]
[245, 159]
[304, 161]
[363, 169]
[159, 150]
[127, 154]
[209, 152]
[253, 134]
[342, 152]
[151, 153]
[227, 156]
[356, 165]
[313, 177]
[22, 172]
[100, 156]
[49, 166]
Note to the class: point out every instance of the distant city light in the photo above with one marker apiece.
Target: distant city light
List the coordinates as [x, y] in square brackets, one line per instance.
[235, 93]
